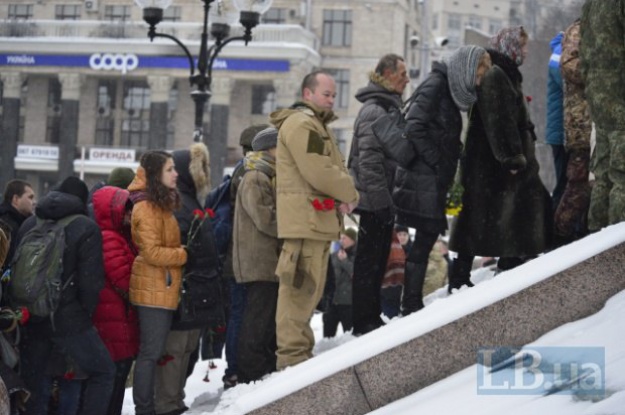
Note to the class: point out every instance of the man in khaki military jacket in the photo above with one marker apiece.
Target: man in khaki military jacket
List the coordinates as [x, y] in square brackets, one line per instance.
[314, 190]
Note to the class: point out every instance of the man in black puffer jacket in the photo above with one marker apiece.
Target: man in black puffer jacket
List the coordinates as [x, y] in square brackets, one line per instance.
[373, 175]
[73, 330]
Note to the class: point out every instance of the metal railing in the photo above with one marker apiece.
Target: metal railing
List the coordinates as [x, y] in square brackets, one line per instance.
[280, 33]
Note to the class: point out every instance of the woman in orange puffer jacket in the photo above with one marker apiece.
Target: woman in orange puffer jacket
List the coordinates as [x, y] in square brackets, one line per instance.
[157, 270]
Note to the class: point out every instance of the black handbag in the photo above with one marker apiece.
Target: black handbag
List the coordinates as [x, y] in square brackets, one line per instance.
[390, 131]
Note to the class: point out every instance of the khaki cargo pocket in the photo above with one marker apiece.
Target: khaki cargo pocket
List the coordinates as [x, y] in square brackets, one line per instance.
[287, 263]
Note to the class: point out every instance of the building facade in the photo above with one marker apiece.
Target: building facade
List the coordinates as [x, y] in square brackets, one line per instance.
[83, 89]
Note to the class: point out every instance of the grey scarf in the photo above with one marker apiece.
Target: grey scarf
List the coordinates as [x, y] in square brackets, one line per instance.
[461, 70]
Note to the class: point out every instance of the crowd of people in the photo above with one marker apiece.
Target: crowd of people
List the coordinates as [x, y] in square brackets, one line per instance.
[137, 278]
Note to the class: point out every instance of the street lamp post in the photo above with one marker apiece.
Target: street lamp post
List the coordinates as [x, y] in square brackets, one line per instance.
[222, 15]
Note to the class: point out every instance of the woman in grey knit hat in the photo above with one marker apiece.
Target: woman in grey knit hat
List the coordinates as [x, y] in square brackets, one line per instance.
[433, 127]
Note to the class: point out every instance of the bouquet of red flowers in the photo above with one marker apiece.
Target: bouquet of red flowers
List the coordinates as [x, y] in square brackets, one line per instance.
[199, 216]
[324, 205]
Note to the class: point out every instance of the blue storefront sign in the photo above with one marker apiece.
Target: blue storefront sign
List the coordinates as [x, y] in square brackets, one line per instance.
[127, 62]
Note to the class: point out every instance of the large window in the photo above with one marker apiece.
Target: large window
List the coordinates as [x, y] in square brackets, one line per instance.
[276, 16]
[136, 115]
[454, 21]
[23, 95]
[475, 22]
[263, 99]
[494, 25]
[341, 77]
[117, 13]
[337, 27]
[105, 118]
[20, 11]
[67, 12]
[53, 127]
[172, 106]
[172, 14]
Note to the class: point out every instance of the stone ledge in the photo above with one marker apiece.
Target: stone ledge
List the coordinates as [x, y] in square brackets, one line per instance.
[518, 319]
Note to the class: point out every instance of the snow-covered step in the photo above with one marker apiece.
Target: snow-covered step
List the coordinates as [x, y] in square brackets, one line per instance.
[395, 361]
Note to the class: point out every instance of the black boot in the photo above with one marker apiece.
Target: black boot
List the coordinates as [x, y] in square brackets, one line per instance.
[459, 274]
[412, 300]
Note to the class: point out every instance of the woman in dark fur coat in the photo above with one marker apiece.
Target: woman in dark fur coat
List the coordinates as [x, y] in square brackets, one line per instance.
[505, 206]
[433, 127]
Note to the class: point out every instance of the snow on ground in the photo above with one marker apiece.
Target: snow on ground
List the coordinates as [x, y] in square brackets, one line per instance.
[457, 393]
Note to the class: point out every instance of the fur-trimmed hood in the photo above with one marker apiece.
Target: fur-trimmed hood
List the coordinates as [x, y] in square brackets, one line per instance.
[380, 90]
[193, 167]
[382, 81]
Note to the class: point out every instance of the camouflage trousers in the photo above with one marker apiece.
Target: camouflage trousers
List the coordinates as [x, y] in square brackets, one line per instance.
[607, 201]
[570, 216]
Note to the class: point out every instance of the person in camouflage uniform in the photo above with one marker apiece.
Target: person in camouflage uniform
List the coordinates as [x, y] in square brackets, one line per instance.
[571, 212]
[602, 54]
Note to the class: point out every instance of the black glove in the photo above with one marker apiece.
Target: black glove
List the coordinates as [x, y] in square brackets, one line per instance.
[385, 215]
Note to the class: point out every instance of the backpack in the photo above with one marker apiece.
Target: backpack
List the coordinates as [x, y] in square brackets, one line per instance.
[219, 201]
[37, 268]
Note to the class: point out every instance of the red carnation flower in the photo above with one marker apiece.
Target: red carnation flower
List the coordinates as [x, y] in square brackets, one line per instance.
[528, 98]
[328, 204]
[220, 329]
[210, 212]
[25, 315]
[164, 360]
[198, 213]
[69, 375]
[317, 205]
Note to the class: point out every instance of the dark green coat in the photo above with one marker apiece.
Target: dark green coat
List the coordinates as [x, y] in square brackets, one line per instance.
[503, 214]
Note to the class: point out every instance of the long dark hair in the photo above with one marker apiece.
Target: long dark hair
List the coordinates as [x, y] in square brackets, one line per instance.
[165, 198]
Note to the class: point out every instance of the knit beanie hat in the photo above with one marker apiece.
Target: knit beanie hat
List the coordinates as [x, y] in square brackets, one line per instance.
[351, 233]
[266, 139]
[248, 135]
[74, 186]
[461, 71]
[509, 42]
[120, 177]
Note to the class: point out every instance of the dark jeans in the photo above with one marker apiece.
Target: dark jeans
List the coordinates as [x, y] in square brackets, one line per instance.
[560, 160]
[85, 349]
[122, 369]
[257, 336]
[154, 324]
[374, 244]
[337, 313]
[237, 308]
[68, 395]
[391, 300]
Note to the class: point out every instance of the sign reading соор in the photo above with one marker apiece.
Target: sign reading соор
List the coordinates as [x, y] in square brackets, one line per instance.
[127, 62]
